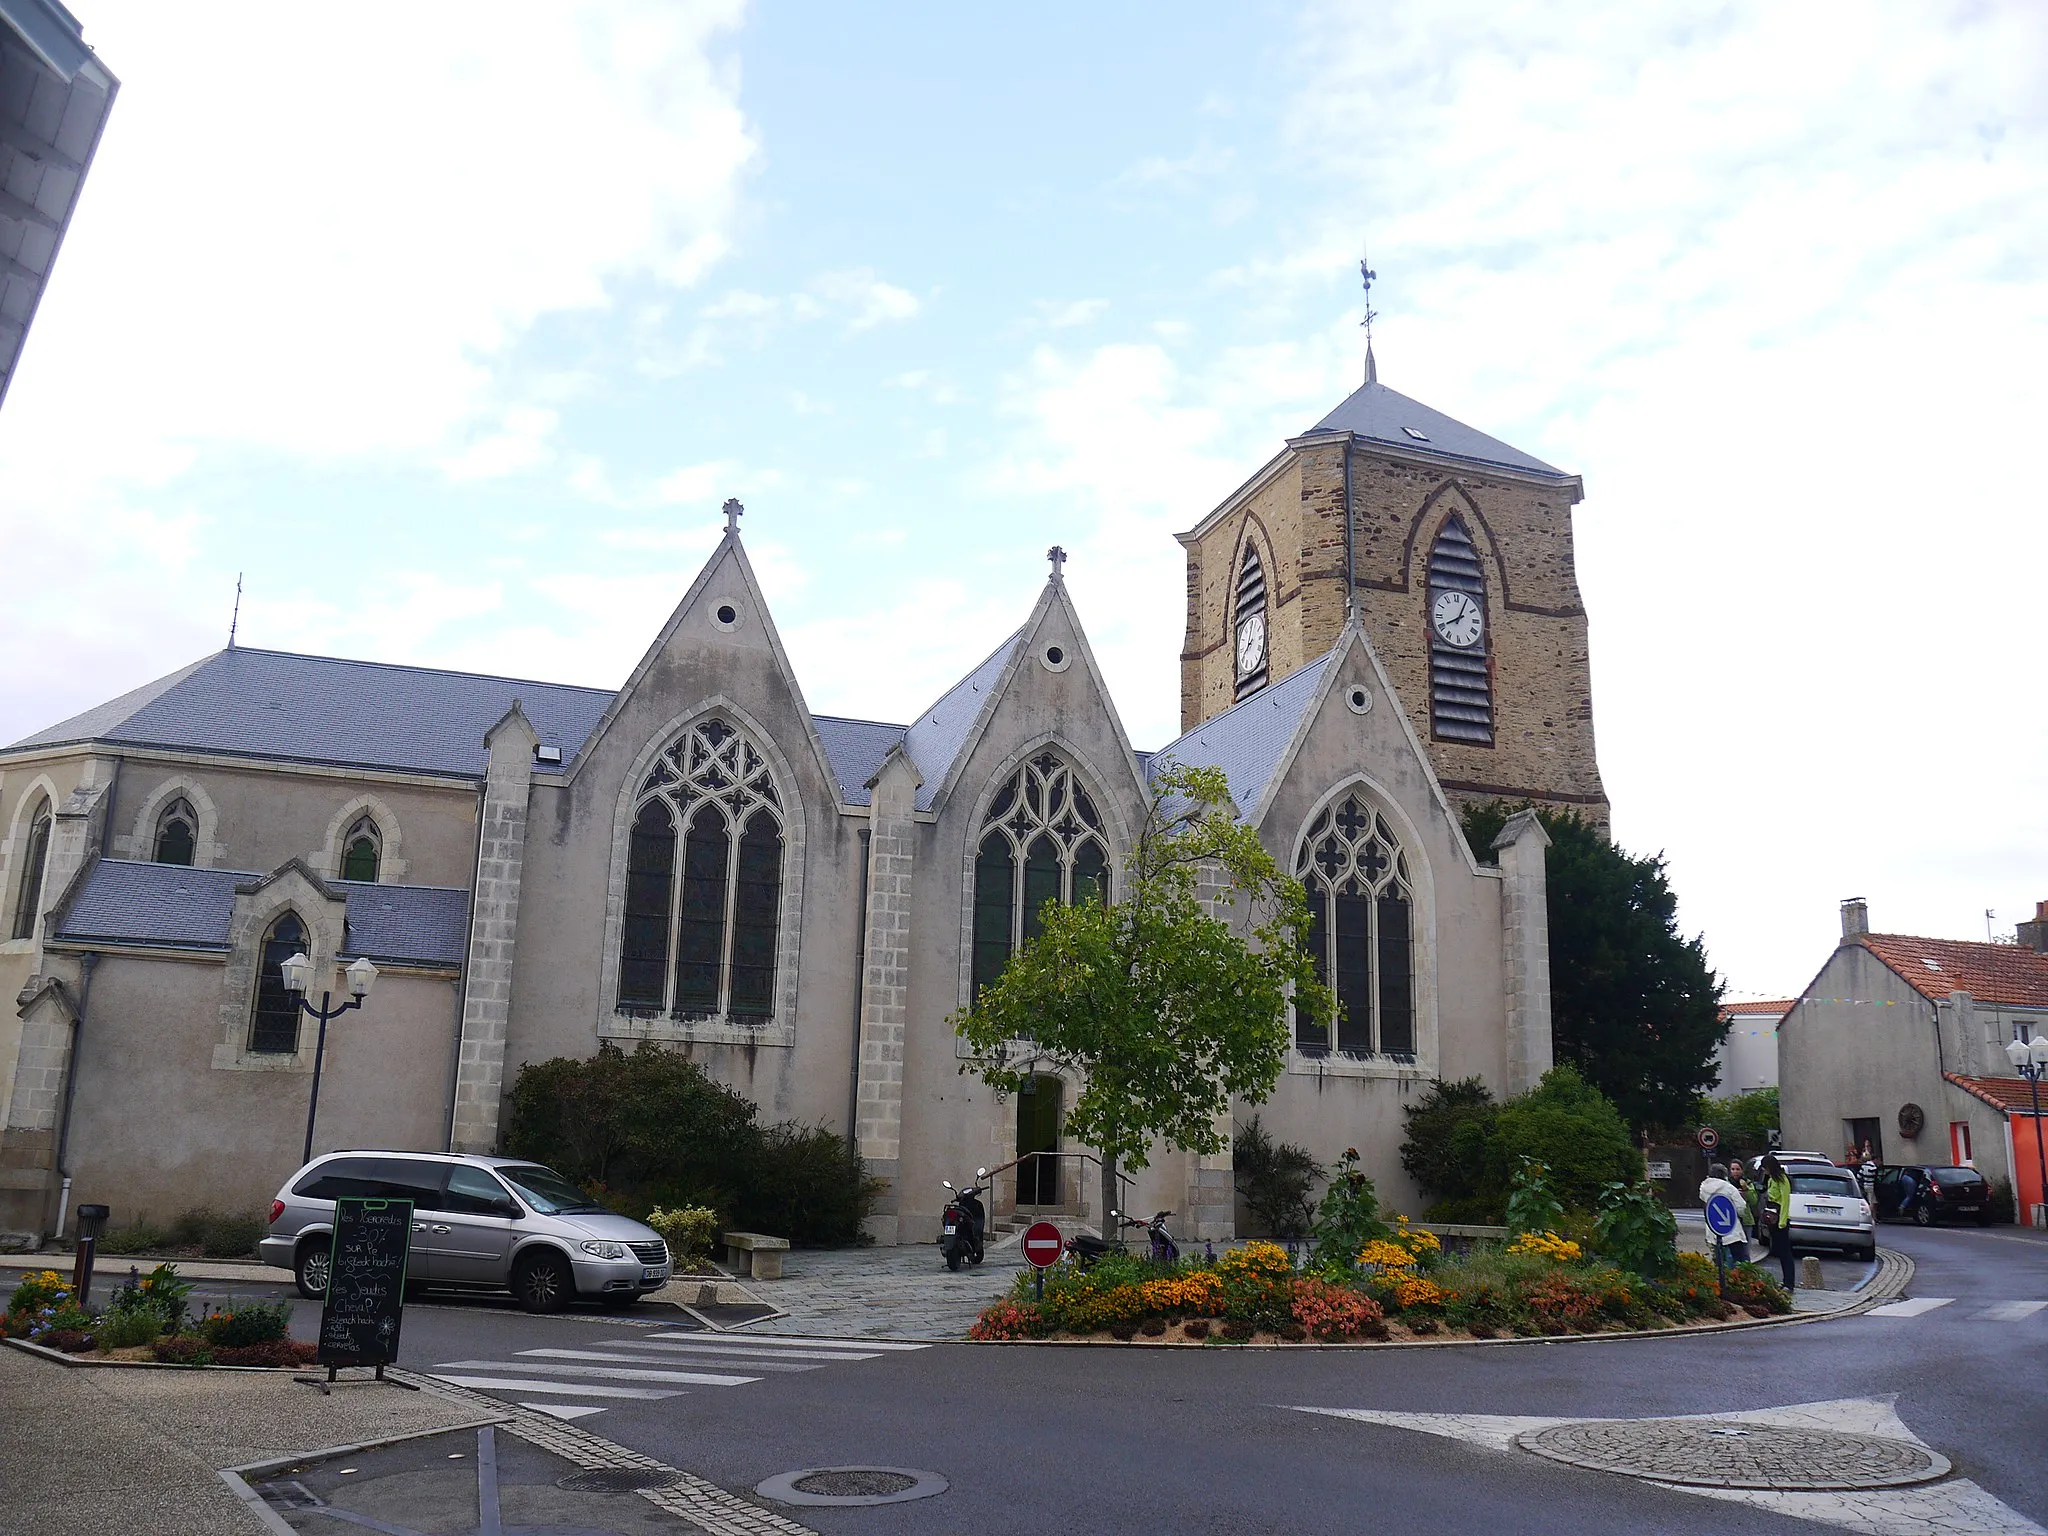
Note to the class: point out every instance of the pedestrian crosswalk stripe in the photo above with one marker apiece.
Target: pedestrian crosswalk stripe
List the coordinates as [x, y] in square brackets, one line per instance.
[766, 1354]
[2010, 1311]
[624, 1359]
[799, 1341]
[564, 1389]
[564, 1411]
[1913, 1308]
[600, 1372]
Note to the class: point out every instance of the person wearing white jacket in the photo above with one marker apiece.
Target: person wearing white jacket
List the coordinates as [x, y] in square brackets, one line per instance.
[1716, 1183]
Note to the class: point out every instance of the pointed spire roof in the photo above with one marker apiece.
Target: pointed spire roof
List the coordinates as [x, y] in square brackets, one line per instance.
[1382, 415]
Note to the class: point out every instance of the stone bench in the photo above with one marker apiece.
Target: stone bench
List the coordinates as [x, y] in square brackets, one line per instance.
[755, 1256]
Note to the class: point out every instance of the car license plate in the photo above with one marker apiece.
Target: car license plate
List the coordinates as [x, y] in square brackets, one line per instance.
[650, 1274]
[1825, 1210]
[1969, 1210]
[950, 1229]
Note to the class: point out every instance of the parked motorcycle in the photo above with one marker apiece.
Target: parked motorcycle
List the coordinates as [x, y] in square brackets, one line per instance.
[1084, 1248]
[964, 1224]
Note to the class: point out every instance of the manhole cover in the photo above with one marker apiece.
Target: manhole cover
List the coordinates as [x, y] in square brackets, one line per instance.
[1719, 1454]
[618, 1480]
[862, 1483]
[852, 1485]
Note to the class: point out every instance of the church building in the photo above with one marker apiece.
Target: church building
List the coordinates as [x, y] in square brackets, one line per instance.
[1383, 625]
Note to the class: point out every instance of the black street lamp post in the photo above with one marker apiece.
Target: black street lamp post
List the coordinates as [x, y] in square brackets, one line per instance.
[2029, 1058]
[297, 972]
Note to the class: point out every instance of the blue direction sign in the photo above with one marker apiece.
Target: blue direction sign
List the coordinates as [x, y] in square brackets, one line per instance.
[1723, 1220]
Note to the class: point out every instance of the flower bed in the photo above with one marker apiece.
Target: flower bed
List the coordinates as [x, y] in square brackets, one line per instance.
[145, 1322]
[1401, 1286]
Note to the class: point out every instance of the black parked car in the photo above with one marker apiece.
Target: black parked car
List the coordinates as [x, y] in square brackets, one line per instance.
[1927, 1194]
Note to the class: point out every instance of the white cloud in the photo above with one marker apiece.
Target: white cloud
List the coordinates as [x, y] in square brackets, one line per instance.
[1059, 314]
[864, 298]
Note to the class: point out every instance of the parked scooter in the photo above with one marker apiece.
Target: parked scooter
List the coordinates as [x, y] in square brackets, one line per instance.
[964, 1224]
[1085, 1248]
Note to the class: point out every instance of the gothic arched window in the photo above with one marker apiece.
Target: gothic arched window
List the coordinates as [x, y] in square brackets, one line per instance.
[274, 1029]
[1460, 676]
[1249, 628]
[1041, 841]
[362, 851]
[177, 833]
[702, 930]
[1361, 933]
[35, 854]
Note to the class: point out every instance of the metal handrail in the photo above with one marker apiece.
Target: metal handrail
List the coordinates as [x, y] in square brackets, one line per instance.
[1125, 1183]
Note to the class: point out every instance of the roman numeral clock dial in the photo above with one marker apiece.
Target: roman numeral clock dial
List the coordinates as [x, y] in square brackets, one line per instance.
[1457, 619]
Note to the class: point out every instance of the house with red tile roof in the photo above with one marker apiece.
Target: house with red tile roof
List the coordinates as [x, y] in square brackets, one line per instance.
[1899, 1042]
[1747, 1057]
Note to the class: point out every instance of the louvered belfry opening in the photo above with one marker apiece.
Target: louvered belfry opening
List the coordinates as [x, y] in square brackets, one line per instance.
[1250, 608]
[1460, 684]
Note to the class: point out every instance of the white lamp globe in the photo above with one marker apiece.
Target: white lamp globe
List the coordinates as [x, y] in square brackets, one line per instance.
[296, 972]
[361, 977]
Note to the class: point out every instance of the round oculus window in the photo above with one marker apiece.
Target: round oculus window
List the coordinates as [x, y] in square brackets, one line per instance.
[1357, 699]
[725, 616]
[1055, 658]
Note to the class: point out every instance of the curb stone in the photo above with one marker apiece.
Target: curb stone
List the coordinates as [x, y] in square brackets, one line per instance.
[1894, 1273]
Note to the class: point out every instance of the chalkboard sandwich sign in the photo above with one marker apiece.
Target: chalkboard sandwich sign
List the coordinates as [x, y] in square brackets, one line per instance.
[359, 1320]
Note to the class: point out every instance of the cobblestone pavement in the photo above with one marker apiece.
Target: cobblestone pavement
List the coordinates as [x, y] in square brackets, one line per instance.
[884, 1293]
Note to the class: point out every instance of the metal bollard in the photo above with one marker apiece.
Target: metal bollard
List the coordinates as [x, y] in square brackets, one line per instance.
[92, 1220]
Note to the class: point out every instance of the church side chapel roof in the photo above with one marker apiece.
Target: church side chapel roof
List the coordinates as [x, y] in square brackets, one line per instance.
[936, 736]
[1247, 740]
[855, 749]
[172, 906]
[1382, 415]
[318, 709]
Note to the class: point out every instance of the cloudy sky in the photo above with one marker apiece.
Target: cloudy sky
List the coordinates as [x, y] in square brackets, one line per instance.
[453, 348]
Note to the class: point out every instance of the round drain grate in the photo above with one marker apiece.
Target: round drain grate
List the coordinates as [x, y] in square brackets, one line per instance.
[1719, 1453]
[860, 1483]
[852, 1485]
[618, 1480]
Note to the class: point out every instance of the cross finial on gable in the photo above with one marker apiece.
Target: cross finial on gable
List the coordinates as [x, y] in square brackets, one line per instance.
[1058, 557]
[733, 509]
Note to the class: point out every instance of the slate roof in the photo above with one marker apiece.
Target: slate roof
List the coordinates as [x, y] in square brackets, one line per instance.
[318, 709]
[936, 737]
[2014, 1095]
[855, 749]
[1246, 740]
[173, 907]
[2005, 974]
[1382, 415]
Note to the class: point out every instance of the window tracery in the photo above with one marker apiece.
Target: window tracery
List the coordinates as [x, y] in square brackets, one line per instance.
[701, 930]
[1361, 934]
[1041, 840]
[362, 851]
[177, 833]
[35, 855]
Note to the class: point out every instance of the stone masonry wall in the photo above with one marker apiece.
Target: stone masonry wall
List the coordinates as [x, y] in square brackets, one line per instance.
[885, 986]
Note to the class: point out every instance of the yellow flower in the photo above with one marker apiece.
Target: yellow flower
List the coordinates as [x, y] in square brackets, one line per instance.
[1385, 1255]
[1549, 1245]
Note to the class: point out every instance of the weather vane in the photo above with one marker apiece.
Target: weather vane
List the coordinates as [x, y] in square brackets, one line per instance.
[1365, 271]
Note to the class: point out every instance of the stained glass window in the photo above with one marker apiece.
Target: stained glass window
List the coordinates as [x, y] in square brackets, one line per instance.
[1360, 933]
[1041, 841]
[29, 897]
[177, 833]
[362, 851]
[275, 1028]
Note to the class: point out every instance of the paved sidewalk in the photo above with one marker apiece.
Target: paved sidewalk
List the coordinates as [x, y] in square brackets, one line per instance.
[93, 1451]
[883, 1293]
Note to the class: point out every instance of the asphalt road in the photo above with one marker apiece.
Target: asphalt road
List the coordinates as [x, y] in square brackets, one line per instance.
[1039, 1439]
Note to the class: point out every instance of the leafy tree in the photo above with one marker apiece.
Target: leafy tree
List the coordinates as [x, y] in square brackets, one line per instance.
[1163, 1008]
[1634, 1006]
[1745, 1120]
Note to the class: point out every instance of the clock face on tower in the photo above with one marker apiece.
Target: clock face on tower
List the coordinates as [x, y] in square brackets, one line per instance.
[1251, 643]
[1456, 619]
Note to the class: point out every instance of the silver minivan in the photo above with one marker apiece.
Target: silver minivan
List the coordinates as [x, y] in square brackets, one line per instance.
[479, 1223]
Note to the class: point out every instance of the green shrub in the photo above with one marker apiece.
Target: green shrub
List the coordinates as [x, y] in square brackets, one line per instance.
[690, 1231]
[182, 1349]
[258, 1322]
[1448, 1129]
[1570, 1127]
[1274, 1179]
[217, 1235]
[120, 1242]
[123, 1330]
[1348, 1218]
[651, 1129]
[1745, 1120]
[1532, 1204]
[162, 1292]
[2003, 1206]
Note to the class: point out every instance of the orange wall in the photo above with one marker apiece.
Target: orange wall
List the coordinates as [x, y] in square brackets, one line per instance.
[2026, 1163]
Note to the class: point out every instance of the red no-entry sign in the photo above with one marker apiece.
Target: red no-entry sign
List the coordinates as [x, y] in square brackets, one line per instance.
[1043, 1244]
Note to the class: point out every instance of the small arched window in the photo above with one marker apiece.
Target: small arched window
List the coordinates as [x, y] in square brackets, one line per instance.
[274, 1028]
[1460, 675]
[1041, 841]
[702, 932]
[1360, 933]
[362, 851]
[1249, 627]
[177, 833]
[35, 854]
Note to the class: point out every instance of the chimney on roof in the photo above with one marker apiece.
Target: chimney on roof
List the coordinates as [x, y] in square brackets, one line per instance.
[1855, 917]
[2034, 935]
